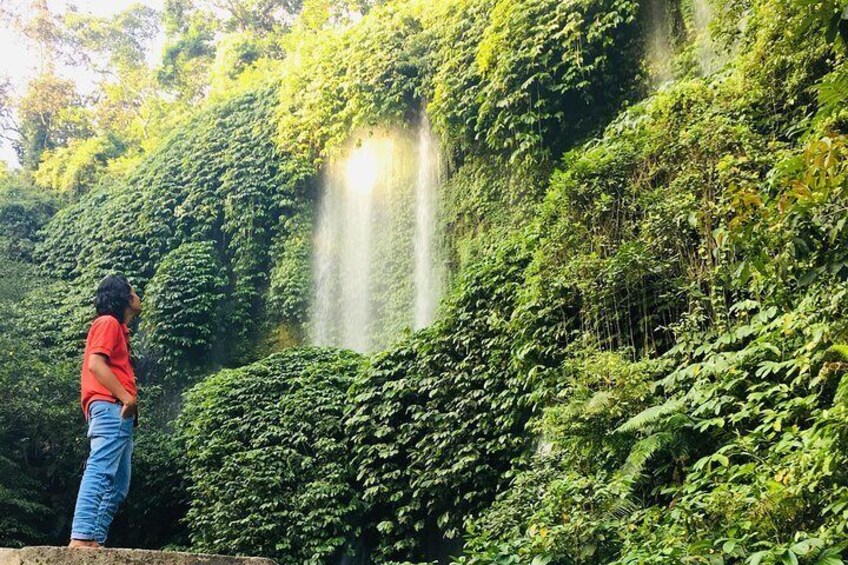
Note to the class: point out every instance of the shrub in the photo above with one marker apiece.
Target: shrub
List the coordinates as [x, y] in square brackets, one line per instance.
[182, 317]
[268, 463]
[23, 212]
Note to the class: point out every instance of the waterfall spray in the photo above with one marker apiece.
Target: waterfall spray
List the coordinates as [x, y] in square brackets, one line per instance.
[659, 49]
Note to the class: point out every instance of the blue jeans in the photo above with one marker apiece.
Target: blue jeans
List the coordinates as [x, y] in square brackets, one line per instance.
[106, 480]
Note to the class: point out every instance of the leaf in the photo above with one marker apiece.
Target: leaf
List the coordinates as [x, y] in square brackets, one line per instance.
[756, 558]
[804, 547]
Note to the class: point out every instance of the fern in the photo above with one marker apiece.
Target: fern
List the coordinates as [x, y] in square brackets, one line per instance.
[832, 92]
[837, 353]
[841, 396]
[640, 454]
[623, 507]
[598, 403]
[650, 416]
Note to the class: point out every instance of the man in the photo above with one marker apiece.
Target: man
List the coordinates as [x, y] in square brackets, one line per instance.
[110, 405]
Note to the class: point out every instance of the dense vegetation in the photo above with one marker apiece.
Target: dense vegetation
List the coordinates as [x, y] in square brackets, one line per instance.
[641, 358]
[268, 460]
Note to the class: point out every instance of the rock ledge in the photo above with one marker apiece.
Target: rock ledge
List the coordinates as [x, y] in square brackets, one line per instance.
[66, 556]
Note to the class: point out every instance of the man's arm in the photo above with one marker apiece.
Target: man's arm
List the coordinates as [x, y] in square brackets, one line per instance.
[104, 375]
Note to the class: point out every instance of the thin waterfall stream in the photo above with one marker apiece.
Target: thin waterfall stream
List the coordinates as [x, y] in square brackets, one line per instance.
[428, 280]
[375, 266]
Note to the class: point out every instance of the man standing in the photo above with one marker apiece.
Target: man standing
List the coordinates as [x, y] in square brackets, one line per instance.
[109, 402]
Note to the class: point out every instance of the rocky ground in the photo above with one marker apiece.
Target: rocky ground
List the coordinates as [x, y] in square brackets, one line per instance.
[67, 556]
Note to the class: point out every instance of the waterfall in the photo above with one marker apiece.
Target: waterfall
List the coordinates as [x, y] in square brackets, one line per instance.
[375, 263]
[357, 198]
[659, 48]
[427, 275]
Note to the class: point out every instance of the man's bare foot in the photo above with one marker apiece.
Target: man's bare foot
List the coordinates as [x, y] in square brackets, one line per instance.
[90, 543]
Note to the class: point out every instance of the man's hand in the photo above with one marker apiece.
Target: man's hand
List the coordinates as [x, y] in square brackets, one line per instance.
[105, 376]
[130, 408]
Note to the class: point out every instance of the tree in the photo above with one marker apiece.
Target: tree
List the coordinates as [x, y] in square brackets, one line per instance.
[189, 49]
[258, 16]
[9, 128]
[126, 102]
[23, 212]
[43, 29]
[50, 113]
[120, 42]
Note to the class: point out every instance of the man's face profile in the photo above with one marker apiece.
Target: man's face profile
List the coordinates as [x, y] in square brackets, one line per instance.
[135, 302]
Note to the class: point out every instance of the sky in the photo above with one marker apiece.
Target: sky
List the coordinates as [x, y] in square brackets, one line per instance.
[18, 61]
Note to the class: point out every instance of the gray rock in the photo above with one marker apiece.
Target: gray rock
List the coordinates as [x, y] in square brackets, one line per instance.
[79, 556]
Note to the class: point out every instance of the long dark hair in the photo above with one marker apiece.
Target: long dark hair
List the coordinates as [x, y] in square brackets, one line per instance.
[113, 296]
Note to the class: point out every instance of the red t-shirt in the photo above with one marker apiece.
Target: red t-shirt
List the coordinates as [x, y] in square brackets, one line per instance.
[110, 338]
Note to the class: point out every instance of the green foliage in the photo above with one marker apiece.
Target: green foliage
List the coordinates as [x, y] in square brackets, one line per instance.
[290, 283]
[534, 73]
[268, 461]
[41, 446]
[77, 166]
[50, 114]
[627, 229]
[510, 86]
[188, 52]
[122, 39]
[837, 353]
[39, 450]
[198, 221]
[506, 85]
[22, 513]
[768, 463]
[366, 75]
[667, 319]
[182, 307]
[695, 234]
[221, 178]
[23, 212]
[566, 504]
